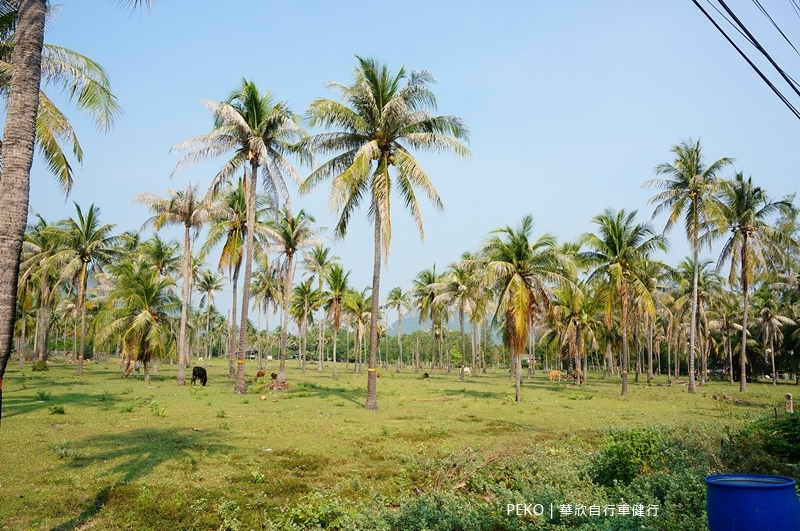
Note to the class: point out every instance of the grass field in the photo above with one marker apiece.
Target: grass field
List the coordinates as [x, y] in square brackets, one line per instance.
[102, 452]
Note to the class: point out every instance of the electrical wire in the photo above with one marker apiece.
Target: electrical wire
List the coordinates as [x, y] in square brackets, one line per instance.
[748, 36]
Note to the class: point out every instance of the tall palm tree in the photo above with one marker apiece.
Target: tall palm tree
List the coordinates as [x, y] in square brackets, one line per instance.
[383, 116]
[86, 246]
[399, 301]
[769, 331]
[337, 280]
[523, 271]
[753, 242]
[616, 253]
[266, 290]
[304, 300]
[289, 234]
[458, 289]
[208, 284]
[260, 133]
[228, 224]
[358, 306]
[424, 297]
[141, 306]
[39, 247]
[19, 134]
[183, 208]
[318, 261]
[689, 188]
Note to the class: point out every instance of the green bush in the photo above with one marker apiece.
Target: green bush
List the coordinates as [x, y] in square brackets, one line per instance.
[767, 445]
[623, 455]
[39, 366]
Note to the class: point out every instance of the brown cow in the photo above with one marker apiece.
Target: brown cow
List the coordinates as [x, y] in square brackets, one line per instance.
[556, 375]
[259, 375]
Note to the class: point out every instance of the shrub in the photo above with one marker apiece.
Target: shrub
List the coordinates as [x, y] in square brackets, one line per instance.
[767, 445]
[623, 455]
[39, 366]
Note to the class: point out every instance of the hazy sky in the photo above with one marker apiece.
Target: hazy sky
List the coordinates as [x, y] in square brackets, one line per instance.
[570, 104]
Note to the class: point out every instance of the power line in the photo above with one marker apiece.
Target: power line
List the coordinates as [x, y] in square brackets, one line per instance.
[742, 29]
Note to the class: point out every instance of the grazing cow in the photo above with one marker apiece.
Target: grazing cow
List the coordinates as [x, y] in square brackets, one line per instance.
[199, 373]
[260, 374]
[556, 375]
[466, 371]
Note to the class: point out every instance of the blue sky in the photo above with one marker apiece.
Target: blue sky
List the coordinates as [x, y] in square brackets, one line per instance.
[571, 105]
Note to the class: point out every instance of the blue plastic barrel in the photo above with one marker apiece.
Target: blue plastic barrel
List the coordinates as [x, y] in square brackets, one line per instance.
[748, 502]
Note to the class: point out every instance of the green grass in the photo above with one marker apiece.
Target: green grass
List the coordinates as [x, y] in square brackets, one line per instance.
[102, 452]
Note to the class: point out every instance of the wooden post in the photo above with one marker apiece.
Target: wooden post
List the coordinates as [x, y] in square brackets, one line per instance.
[789, 405]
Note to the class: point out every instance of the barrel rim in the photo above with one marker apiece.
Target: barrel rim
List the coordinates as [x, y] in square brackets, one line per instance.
[753, 481]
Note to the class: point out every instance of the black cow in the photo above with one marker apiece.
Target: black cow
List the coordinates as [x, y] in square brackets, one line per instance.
[199, 373]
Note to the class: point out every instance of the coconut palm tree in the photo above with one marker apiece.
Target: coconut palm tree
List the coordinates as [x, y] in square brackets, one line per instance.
[303, 301]
[424, 297]
[289, 235]
[260, 133]
[228, 225]
[163, 256]
[458, 289]
[317, 262]
[688, 191]
[615, 255]
[753, 243]
[19, 135]
[183, 208]
[383, 117]
[522, 270]
[208, 284]
[337, 280]
[398, 300]
[142, 304]
[85, 246]
[358, 305]
[40, 245]
[266, 291]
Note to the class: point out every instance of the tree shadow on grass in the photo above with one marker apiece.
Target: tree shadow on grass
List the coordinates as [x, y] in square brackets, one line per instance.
[135, 453]
[307, 389]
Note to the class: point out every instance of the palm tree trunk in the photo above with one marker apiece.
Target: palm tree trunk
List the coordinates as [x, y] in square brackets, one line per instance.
[81, 308]
[320, 343]
[650, 334]
[416, 355]
[335, 341]
[232, 340]
[624, 326]
[772, 357]
[372, 377]
[745, 289]
[399, 340]
[287, 292]
[186, 273]
[669, 359]
[17, 152]
[729, 346]
[693, 321]
[240, 387]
